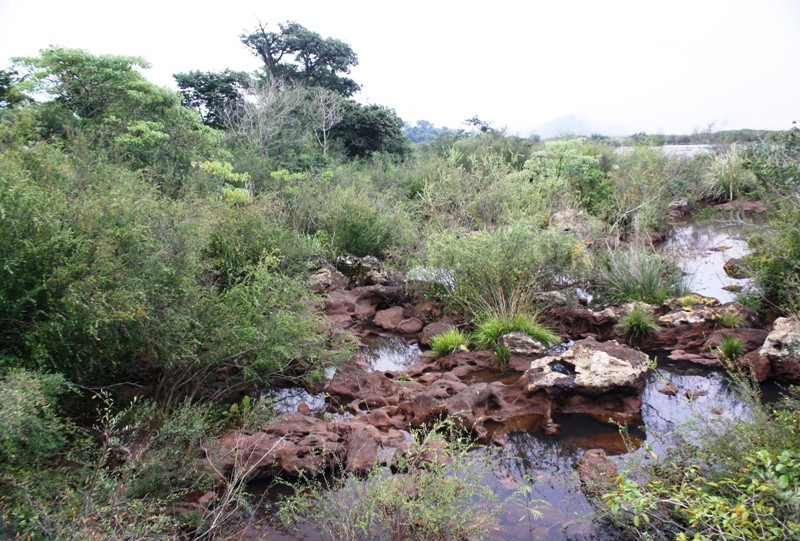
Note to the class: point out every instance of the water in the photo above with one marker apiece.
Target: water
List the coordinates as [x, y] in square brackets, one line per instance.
[701, 250]
[389, 353]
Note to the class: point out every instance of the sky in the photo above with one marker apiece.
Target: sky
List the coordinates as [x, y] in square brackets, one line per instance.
[617, 66]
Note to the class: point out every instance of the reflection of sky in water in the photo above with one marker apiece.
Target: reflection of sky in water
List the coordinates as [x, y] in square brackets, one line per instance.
[287, 400]
[701, 250]
[386, 353]
[662, 413]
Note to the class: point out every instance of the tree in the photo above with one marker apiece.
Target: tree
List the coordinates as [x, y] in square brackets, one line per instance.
[10, 94]
[365, 129]
[272, 120]
[304, 57]
[210, 93]
[324, 109]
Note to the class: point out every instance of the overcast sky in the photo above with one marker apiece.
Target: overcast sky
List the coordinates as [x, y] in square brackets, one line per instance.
[623, 66]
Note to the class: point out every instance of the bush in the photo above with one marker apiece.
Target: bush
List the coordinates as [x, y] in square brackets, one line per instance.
[727, 177]
[730, 348]
[437, 499]
[637, 324]
[498, 273]
[449, 341]
[718, 479]
[638, 274]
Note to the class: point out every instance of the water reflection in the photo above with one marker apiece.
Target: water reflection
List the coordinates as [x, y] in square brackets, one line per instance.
[390, 353]
[701, 250]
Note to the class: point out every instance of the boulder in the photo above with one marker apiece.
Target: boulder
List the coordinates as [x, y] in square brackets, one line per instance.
[522, 344]
[752, 339]
[409, 325]
[737, 268]
[390, 318]
[327, 279]
[590, 367]
[432, 329]
[782, 348]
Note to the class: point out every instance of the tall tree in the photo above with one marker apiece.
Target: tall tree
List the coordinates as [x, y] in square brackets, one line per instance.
[365, 129]
[211, 93]
[304, 57]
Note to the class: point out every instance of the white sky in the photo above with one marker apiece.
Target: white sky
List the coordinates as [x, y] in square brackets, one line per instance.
[640, 65]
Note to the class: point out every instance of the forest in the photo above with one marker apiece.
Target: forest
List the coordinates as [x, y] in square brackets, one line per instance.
[168, 258]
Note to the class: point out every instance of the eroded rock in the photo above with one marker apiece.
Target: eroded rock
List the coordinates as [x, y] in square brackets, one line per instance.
[782, 348]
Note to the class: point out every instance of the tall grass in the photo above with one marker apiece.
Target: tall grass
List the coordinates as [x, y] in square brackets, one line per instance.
[637, 273]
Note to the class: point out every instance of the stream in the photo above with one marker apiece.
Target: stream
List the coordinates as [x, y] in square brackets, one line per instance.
[545, 464]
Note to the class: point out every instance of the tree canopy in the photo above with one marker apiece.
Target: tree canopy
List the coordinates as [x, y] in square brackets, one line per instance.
[303, 57]
[211, 93]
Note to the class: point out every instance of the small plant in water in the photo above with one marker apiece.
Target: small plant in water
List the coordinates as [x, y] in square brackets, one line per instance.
[730, 348]
[637, 324]
[449, 341]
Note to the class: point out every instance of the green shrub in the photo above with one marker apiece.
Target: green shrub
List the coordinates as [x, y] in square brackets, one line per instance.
[637, 323]
[727, 177]
[731, 320]
[32, 434]
[500, 272]
[730, 348]
[638, 274]
[449, 341]
[489, 331]
[443, 499]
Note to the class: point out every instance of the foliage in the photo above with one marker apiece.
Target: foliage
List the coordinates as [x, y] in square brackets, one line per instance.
[639, 274]
[367, 129]
[32, 433]
[727, 177]
[499, 272]
[776, 262]
[436, 499]
[718, 480]
[213, 94]
[730, 348]
[10, 94]
[316, 61]
[731, 320]
[637, 323]
[450, 341]
[490, 330]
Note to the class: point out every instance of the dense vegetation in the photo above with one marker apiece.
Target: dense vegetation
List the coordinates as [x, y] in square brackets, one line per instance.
[156, 249]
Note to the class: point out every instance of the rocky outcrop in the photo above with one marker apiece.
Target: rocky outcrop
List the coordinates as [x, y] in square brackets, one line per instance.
[782, 348]
[737, 268]
[522, 344]
[590, 367]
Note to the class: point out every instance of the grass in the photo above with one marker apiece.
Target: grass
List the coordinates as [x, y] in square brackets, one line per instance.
[638, 274]
[490, 330]
[449, 341]
[730, 348]
[731, 320]
[637, 324]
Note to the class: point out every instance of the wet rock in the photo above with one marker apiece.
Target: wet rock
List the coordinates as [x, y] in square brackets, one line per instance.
[693, 394]
[756, 366]
[390, 318]
[363, 271]
[737, 268]
[522, 344]
[432, 329]
[291, 444]
[362, 447]
[752, 339]
[360, 389]
[429, 309]
[782, 348]
[327, 279]
[670, 389]
[595, 367]
[596, 472]
[551, 298]
[349, 307]
[410, 325]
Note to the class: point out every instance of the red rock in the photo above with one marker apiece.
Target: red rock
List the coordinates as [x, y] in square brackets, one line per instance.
[390, 318]
[670, 389]
[410, 325]
[432, 329]
[596, 471]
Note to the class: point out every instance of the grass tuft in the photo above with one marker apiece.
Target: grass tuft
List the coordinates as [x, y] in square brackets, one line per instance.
[638, 323]
[450, 341]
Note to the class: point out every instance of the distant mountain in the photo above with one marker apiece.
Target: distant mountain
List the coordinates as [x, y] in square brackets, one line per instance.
[573, 124]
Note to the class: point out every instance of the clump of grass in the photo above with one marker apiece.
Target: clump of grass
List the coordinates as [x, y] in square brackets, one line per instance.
[637, 323]
[450, 341]
[732, 320]
[730, 348]
[490, 330]
[693, 299]
[638, 274]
